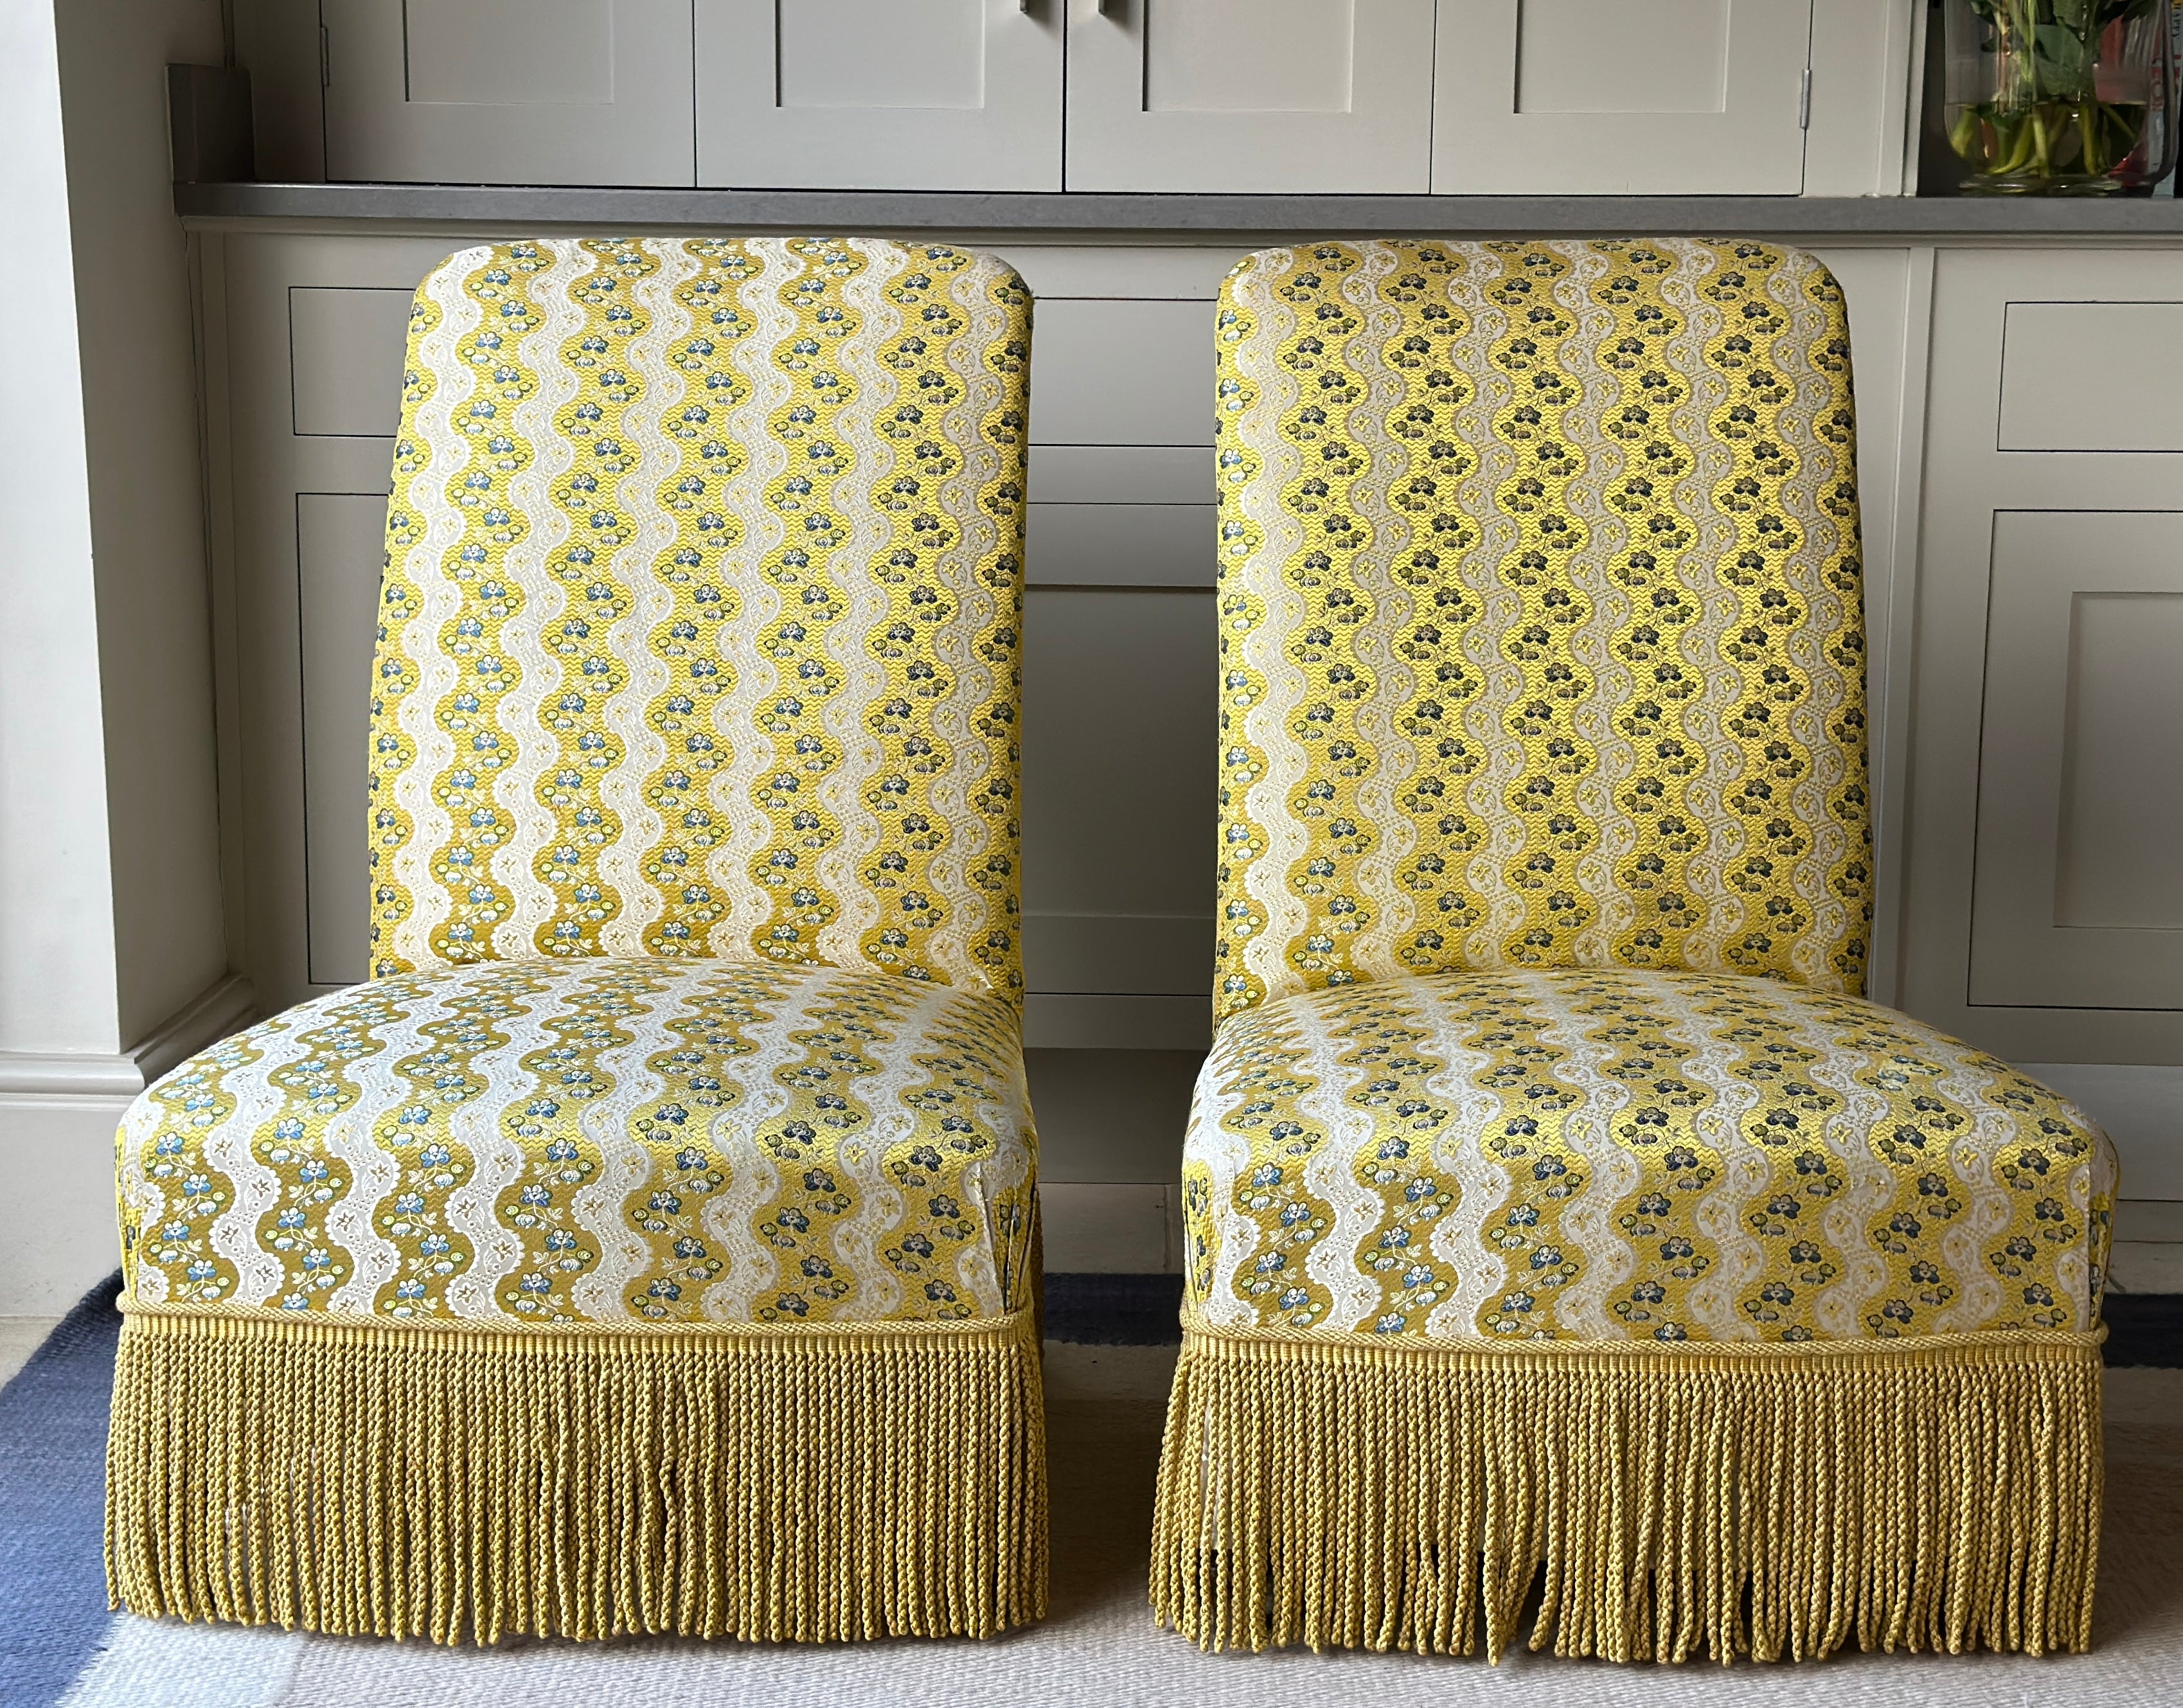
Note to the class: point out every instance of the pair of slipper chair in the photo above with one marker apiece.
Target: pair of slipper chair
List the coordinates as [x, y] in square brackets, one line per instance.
[652, 1244]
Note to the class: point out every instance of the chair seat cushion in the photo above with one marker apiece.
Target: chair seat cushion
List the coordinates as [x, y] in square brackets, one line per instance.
[1616, 1155]
[599, 1141]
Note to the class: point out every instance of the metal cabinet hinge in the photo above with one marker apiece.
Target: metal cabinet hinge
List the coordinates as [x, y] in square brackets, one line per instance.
[1804, 101]
[325, 58]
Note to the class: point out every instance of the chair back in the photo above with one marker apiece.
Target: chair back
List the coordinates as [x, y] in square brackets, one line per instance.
[1542, 637]
[698, 633]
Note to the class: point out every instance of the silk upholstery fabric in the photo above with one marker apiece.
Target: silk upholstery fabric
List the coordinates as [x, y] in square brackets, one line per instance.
[1541, 641]
[1606, 1155]
[598, 1139]
[700, 626]
[694, 823]
[1545, 869]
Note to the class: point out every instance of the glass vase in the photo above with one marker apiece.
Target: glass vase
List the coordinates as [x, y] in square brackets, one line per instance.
[2060, 97]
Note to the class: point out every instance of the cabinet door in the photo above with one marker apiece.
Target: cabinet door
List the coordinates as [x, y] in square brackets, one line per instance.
[880, 94]
[508, 92]
[2044, 903]
[305, 340]
[1565, 98]
[1250, 95]
[2078, 895]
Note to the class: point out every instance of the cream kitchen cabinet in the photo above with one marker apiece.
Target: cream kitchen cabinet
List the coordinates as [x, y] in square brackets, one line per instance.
[1253, 97]
[2043, 908]
[507, 92]
[880, 94]
[1250, 95]
[1605, 97]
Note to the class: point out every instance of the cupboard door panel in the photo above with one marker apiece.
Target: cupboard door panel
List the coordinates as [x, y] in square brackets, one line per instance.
[879, 94]
[1119, 756]
[1121, 474]
[1250, 95]
[2091, 376]
[346, 345]
[1117, 371]
[339, 545]
[1547, 98]
[508, 92]
[2079, 893]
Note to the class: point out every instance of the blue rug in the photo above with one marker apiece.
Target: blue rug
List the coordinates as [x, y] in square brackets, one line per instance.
[1114, 1310]
[52, 1499]
[2144, 1328]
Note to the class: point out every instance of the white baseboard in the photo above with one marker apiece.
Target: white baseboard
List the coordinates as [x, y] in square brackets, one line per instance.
[2142, 1107]
[58, 1114]
[206, 1019]
[58, 1153]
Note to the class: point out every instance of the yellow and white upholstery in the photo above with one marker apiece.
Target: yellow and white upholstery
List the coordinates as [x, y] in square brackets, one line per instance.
[650, 1245]
[1559, 1213]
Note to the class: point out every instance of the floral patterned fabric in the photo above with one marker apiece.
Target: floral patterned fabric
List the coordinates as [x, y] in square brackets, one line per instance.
[694, 822]
[1613, 1154]
[699, 630]
[594, 1140]
[1545, 870]
[1540, 634]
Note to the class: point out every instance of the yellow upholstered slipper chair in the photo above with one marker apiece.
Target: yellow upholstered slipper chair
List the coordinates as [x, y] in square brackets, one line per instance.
[1561, 1221]
[650, 1245]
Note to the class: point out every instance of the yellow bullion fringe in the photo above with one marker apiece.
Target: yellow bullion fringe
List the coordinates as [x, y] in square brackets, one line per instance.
[352, 1477]
[1336, 1491]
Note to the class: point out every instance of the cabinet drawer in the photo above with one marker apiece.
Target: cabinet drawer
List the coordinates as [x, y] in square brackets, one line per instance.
[346, 345]
[1122, 372]
[1119, 761]
[340, 542]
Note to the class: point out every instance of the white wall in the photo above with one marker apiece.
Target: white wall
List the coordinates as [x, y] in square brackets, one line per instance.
[110, 918]
[56, 971]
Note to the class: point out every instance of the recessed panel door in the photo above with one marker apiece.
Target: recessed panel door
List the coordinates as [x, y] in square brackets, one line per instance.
[1604, 97]
[508, 92]
[1250, 96]
[2078, 894]
[340, 546]
[880, 94]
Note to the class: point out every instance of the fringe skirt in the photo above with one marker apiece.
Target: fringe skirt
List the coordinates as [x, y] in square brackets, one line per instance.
[1337, 1491]
[464, 1482]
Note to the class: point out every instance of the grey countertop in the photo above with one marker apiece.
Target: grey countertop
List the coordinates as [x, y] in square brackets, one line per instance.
[1915, 219]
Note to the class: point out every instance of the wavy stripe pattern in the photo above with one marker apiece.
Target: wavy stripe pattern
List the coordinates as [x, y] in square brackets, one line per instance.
[1612, 1154]
[694, 823]
[1542, 637]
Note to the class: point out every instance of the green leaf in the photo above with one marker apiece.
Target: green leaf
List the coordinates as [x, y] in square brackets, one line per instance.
[2066, 73]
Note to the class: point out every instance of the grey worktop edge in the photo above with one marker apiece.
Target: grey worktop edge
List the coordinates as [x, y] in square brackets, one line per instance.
[1863, 216]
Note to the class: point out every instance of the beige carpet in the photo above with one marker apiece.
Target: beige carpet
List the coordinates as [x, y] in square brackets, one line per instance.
[1101, 1650]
